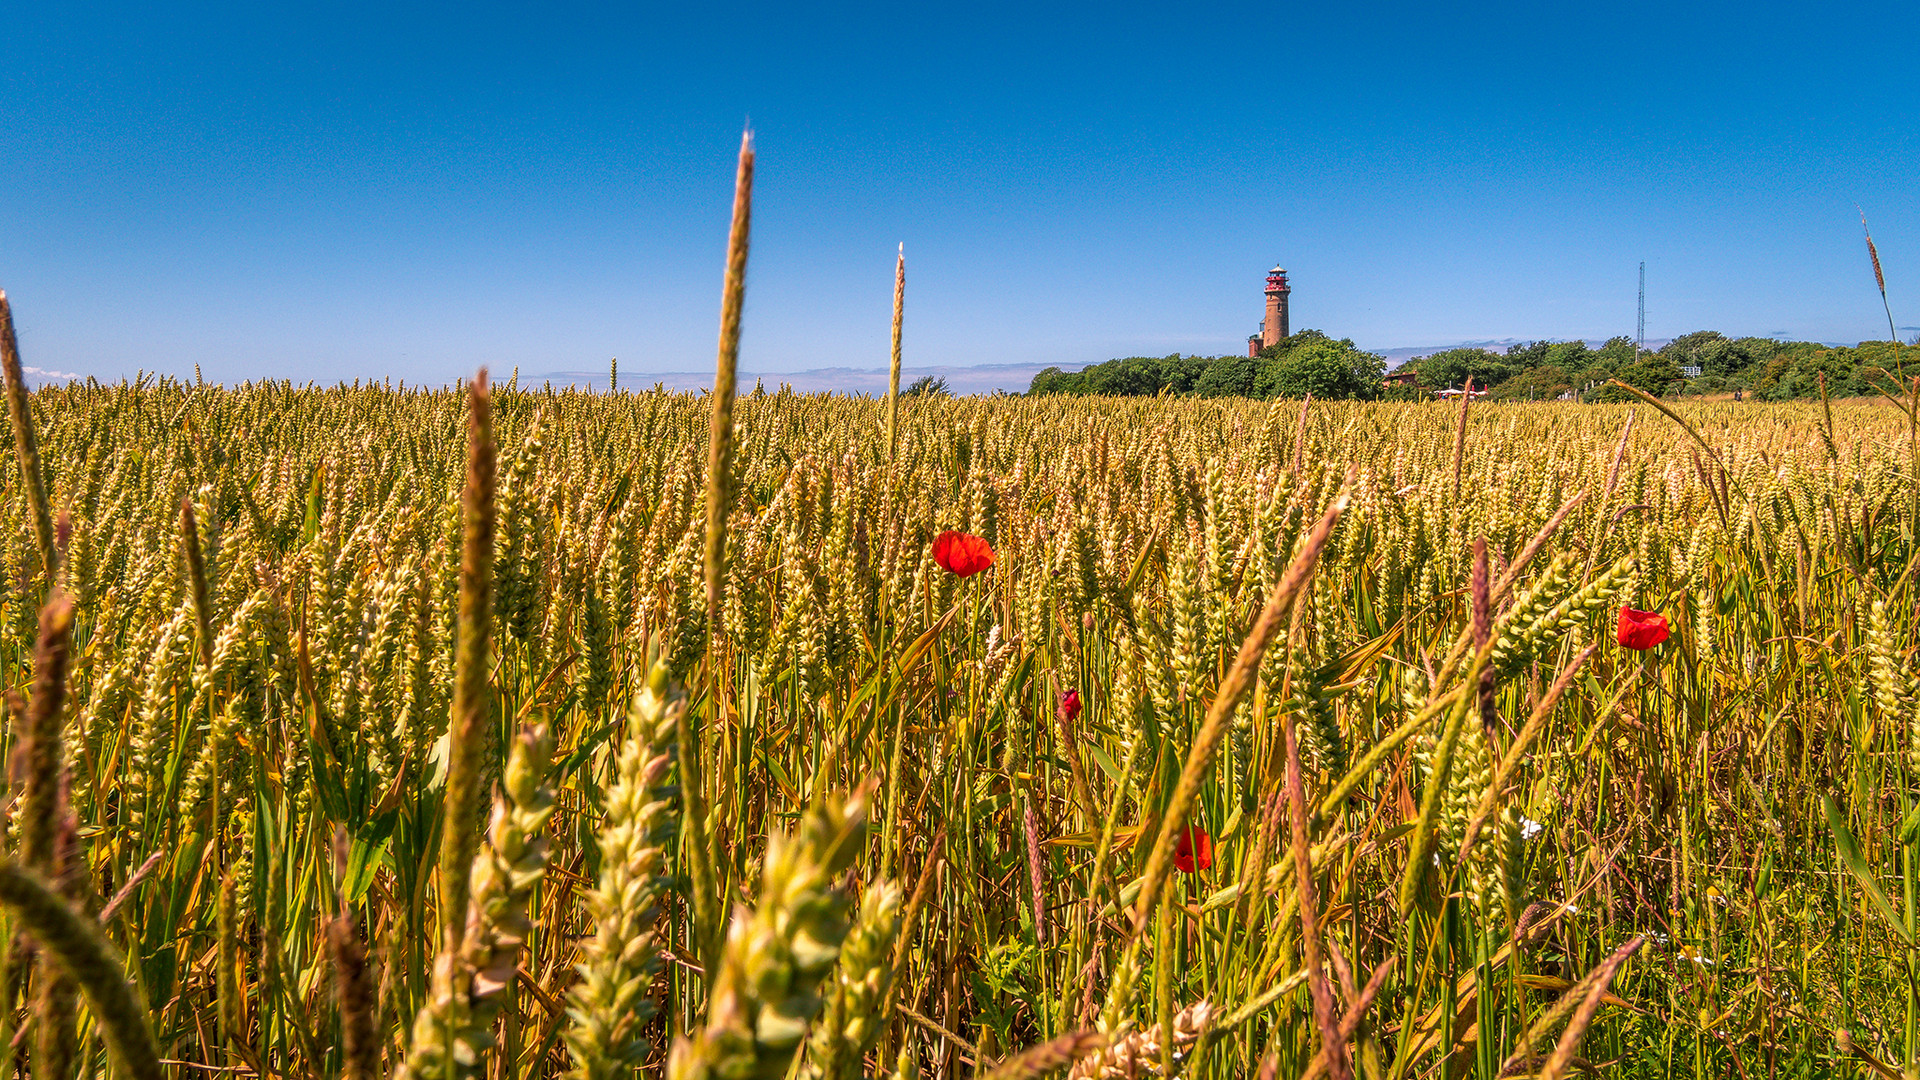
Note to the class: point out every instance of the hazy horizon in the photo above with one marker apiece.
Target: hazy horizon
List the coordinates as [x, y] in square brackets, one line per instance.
[980, 378]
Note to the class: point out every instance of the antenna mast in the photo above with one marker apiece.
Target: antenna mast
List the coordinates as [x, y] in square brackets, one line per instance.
[1640, 339]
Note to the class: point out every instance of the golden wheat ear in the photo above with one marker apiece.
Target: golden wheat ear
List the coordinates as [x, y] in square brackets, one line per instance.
[766, 991]
[612, 1004]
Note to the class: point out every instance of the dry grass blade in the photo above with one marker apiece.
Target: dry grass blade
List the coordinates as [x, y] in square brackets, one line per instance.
[132, 885]
[1383, 749]
[1879, 278]
[1596, 991]
[1036, 870]
[1844, 1045]
[1826, 417]
[733, 298]
[720, 496]
[922, 887]
[1300, 438]
[1512, 572]
[1254, 876]
[443, 1042]
[42, 812]
[1582, 1001]
[1355, 1015]
[1668, 412]
[1250, 1009]
[228, 999]
[1480, 591]
[1460, 438]
[1037, 1061]
[935, 1027]
[197, 588]
[1619, 457]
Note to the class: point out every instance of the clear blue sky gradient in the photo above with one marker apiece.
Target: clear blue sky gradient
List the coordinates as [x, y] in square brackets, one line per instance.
[346, 190]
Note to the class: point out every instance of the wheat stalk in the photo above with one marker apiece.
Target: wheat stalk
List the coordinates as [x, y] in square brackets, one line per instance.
[75, 942]
[26, 446]
[1879, 278]
[893, 364]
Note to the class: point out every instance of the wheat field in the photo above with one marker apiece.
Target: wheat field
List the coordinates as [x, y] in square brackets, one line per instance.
[365, 731]
[499, 732]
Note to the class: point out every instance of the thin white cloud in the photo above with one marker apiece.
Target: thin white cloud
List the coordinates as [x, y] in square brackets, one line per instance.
[46, 374]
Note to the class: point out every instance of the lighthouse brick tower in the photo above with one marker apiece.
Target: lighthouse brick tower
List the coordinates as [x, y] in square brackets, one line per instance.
[1274, 328]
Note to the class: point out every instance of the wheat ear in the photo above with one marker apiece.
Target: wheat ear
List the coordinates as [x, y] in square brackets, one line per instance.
[609, 1005]
[766, 990]
[852, 1021]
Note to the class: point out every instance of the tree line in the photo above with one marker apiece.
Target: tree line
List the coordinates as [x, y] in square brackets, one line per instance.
[1308, 362]
[1702, 362]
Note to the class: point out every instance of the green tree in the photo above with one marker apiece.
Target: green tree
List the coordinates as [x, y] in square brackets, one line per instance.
[1229, 376]
[1618, 352]
[1529, 354]
[1451, 368]
[1571, 357]
[1055, 381]
[1696, 347]
[1652, 372]
[1741, 356]
[1296, 340]
[1543, 383]
[1325, 369]
[1144, 376]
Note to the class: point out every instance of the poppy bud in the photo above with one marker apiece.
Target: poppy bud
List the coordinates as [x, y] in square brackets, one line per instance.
[1641, 630]
[1070, 706]
[1194, 852]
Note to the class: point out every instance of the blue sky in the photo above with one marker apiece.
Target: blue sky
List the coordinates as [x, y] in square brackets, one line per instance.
[345, 190]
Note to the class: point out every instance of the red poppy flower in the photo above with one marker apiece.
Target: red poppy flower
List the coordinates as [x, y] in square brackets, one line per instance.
[962, 554]
[1194, 851]
[1070, 705]
[1641, 629]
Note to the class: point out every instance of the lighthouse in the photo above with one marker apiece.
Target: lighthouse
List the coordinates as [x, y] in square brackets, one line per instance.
[1274, 328]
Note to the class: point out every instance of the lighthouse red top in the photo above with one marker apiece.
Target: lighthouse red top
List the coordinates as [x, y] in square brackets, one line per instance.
[1277, 281]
